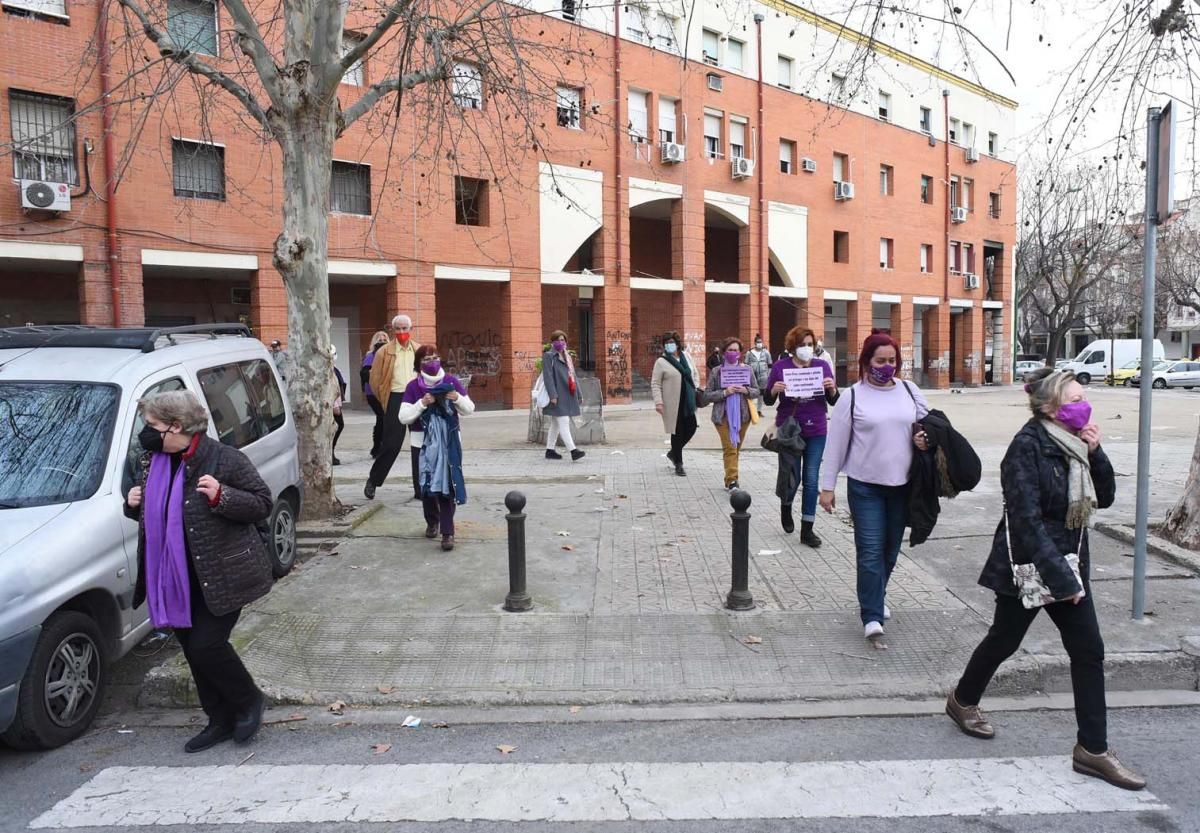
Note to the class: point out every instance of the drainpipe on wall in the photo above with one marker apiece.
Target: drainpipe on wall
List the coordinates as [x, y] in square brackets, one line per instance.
[763, 269]
[946, 213]
[618, 145]
[110, 195]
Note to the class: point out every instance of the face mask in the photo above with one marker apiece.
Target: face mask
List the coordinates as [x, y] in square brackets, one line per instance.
[559, 345]
[671, 347]
[732, 356]
[377, 345]
[881, 374]
[431, 368]
[151, 438]
[403, 337]
[804, 353]
[758, 345]
[1075, 415]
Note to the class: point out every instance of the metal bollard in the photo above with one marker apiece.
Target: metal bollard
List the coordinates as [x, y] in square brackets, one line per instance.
[518, 599]
[739, 595]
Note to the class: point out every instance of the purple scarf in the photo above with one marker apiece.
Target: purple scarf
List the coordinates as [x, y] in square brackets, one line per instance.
[733, 416]
[168, 591]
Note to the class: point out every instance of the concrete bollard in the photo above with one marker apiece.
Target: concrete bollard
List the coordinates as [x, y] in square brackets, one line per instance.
[739, 595]
[518, 599]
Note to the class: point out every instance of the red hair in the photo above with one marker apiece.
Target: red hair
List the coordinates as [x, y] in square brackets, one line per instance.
[873, 342]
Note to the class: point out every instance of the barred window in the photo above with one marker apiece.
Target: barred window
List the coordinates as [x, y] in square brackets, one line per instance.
[467, 80]
[43, 134]
[199, 170]
[350, 188]
[354, 75]
[569, 102]
[470, 201]
[192, 24]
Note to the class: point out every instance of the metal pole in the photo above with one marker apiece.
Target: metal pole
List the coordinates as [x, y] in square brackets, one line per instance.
[1146, 389]
[739, 595]
[518, 599]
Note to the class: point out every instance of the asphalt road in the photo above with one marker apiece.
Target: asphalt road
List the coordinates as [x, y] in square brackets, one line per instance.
[846, 763]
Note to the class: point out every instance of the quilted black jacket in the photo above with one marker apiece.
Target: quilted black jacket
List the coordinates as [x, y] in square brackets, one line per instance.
[227, 552]
[1033, 476]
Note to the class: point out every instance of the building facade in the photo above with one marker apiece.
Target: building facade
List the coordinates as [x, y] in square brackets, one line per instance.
[721, 174]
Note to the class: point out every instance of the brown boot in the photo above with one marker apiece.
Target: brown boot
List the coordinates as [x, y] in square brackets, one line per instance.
[431, 530]
[447, 542]
[1106, 767]
[970, 719]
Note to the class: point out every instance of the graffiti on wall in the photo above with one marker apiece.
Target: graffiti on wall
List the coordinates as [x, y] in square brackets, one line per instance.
[473, 354]
[906, 358]
[941, 362]
[524, 361]
[619, 381]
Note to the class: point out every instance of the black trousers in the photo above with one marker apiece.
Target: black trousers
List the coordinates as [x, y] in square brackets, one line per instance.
[685, 429]
[225, 687]
[380, 416]
[340, 422]
[389, 447]
[1080, 633]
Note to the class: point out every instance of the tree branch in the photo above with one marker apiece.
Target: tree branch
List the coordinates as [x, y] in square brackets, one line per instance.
[375, 92]
[252, 44]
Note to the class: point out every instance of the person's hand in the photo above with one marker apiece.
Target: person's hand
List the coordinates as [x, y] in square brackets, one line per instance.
[778, 388]
[827, 500]
[743, 390]
[427, 400]
[208, 486]
[921, 441]
[1077, 598]
[554, 401]
[1090, 434]
[829, 384]
[452, 396]
[659, 408]
[134, 498]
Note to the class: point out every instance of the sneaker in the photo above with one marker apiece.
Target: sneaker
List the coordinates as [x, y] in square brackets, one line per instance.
[577, 454]
[970, 719]
[213, 734]
[887, 612]
[369, 490]
[872, 630]
[551, 454]
[733, 487]
[1106, 767]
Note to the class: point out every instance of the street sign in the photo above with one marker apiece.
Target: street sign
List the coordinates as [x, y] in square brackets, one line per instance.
[1165, 198]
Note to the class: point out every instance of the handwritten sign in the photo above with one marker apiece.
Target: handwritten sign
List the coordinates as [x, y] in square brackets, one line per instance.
[736, 375]
[803, 382]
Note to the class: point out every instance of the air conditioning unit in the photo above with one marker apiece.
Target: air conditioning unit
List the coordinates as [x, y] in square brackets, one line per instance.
[742, 168]
[843, 190]
[672, 152]
[972, 154]
[47, 196]
[809, 165]
[971, 279]
[958, 214]
[715, 82]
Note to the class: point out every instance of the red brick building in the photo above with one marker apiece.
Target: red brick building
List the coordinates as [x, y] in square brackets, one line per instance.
[731, 190]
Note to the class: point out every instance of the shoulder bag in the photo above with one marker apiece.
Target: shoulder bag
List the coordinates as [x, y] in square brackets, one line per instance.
[1032, 591]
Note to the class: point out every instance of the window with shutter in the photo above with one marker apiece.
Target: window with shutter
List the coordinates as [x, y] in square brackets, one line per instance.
[192, 25]
[712, 136]
[639, 104]
[355, 75]
[666, 119]
[735, 54]
[467, 84]
[569, 100]
[785, 73]
[58, 8]
[737, 139]
[787, 153]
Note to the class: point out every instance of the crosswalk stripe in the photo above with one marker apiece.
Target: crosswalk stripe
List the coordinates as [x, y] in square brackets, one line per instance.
[309, 794]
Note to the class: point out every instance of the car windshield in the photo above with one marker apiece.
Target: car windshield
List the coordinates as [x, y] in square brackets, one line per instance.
[1161, 365]
[54, 439]
[1133, 365]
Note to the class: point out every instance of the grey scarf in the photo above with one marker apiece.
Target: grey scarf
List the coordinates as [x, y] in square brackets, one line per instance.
[1081, 494]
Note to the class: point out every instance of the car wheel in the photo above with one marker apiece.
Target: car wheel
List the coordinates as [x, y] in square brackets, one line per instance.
[282, 527]
[1083, 378]
[1128, 383]
[63, 685]
[1159, 384]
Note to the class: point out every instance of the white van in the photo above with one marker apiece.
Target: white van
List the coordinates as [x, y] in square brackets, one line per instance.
[1098, 359]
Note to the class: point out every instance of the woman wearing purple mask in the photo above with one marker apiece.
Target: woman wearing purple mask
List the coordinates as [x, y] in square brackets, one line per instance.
[731, 388]
[1054, 476]
[562, 386]
[871, 439]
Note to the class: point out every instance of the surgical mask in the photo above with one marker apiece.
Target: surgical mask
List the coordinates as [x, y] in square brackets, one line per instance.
[432, 367]
[732, 356]
[671, 347]
[151, 438]
[805, 353]
[881, 374]
[559, 345]
[758, 345]
[1075, 415]
[403, 337]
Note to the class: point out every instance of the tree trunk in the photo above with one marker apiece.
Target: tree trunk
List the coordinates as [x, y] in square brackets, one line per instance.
[301, 256]
[1183, 521]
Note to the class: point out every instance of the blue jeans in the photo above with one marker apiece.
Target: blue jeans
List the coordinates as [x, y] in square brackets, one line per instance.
[880, 514]
[807, 469]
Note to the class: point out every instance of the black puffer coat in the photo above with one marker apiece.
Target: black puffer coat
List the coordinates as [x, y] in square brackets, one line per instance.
[1033, 476]
[226, 550]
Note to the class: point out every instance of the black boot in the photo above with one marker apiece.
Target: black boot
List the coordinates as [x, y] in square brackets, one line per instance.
[785, 517]
[807, 536]
[213, 734]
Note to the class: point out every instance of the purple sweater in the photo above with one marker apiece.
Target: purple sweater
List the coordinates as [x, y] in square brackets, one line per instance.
[810, 413]
[882, 446]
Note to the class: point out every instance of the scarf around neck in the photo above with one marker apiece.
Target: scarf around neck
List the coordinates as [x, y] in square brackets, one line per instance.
[689, 383]
[1081, 493]
[733, 413]
[168, 589]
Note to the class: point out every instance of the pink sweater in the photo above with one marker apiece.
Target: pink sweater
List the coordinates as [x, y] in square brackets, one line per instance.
[882, 447]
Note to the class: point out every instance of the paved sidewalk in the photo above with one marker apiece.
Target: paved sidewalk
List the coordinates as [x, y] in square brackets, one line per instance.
[629, 603]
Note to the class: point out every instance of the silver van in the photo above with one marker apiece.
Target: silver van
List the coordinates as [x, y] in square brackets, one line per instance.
[68, 451]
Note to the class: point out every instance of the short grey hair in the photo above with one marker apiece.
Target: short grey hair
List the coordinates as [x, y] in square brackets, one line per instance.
[173, 406]
[401, 319]
[1046, 388]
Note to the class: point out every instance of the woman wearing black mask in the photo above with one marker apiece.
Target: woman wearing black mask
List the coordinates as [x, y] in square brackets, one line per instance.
[200, 556]
[674, 384]
[364, 376]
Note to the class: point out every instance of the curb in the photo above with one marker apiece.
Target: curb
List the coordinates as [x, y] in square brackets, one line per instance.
[1161, 547]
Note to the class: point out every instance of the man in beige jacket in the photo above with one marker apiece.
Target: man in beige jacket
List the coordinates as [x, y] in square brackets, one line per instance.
[394, 368]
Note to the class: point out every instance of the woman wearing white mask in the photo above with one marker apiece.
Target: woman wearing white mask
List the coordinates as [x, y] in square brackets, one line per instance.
[673, 384]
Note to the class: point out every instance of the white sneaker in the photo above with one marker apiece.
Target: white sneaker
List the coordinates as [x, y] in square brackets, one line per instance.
[872, 629]
[887, 612]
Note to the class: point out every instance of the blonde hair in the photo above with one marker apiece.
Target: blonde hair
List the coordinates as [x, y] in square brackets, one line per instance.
[174, 406]
[1047, 390]
[380, 335]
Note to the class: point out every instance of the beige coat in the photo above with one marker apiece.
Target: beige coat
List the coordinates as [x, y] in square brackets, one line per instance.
[665, 384]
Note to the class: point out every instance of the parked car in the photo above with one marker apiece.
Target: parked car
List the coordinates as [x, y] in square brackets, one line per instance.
[1099, 358]
[1126, 372]
[68, 456]
[1181, 374]
[1027, 366]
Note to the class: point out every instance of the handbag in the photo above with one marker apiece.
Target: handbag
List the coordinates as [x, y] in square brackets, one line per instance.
[538, 394]
[1032, 591]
